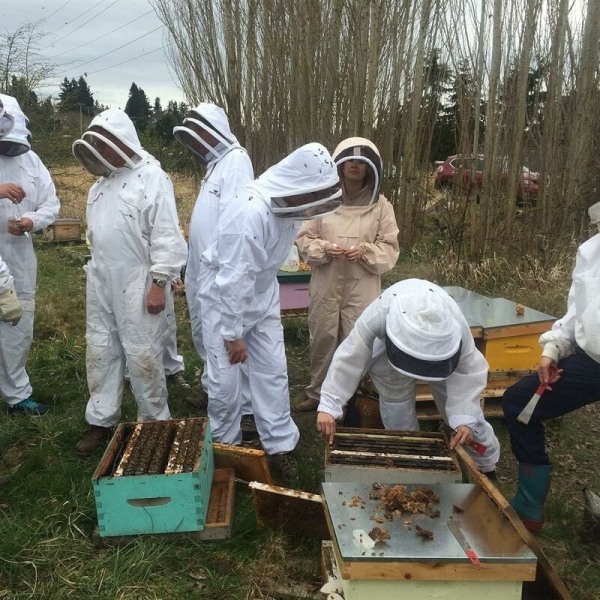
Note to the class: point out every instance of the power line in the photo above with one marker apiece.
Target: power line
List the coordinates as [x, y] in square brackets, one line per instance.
[87, 62]
[85, 12]
[101, 36]
[53, 13]
[130, 59]
[82, 25]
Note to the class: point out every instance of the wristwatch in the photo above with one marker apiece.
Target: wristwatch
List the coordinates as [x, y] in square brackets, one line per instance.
[161, 283]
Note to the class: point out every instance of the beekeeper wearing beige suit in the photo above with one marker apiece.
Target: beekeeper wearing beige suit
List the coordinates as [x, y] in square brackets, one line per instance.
[348, 252]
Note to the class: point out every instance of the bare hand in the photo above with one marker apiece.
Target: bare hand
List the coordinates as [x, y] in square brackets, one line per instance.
[12, 191]
[334, 251]
[326, 426]
[548, 371]
[236, 350]
[156, 299]
[19, 226]
[460, 436]
[354, 253]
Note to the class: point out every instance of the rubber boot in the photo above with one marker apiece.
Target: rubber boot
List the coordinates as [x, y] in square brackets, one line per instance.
[528, 502]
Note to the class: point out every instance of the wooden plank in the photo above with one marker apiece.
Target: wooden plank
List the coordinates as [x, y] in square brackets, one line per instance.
[292, 510]
[517, 330]
[384, 455]
[249, 464]
[546, 578]
[416, 571]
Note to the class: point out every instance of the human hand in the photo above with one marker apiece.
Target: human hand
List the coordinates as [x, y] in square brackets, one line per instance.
[12, 191]
[354, 253]
[460, 436]
[236, 350]
[20, 226]
[334, 251]
[326, 426]
[156, 299]
[548, 371]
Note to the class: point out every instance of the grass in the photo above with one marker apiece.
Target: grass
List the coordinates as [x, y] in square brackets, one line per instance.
[48, 515]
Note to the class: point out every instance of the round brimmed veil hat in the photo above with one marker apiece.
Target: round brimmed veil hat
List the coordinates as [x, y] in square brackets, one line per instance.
[422, 338]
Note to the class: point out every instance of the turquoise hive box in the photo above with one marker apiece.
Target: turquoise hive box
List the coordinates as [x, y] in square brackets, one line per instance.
[155, 477]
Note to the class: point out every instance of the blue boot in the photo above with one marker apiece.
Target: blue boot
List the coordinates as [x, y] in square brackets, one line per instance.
[534, 483]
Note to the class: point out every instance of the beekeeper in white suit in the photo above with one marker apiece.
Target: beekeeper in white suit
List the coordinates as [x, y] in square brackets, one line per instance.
[205, 132]
[414, 332]
[137, 250]
[28, 203]
[239, 293]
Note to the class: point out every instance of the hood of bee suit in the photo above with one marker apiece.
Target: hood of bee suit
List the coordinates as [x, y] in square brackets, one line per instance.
[304, 185]
[117, 123]
[15, 137]
[358, 148]
[212, 119]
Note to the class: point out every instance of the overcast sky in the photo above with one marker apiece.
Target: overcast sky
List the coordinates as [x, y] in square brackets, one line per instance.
[114, 42]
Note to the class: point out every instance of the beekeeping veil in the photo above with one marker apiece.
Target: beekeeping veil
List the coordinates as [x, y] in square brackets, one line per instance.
[110, 143]
[304, 185]
[206, 119]
[15, 138]
[422, 338]
[358, 148]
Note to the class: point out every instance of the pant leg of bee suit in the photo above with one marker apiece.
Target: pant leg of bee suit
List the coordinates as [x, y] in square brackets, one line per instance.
[397, 393]
[41, 206]
[483, 432]
[267, 374]
[224, 379]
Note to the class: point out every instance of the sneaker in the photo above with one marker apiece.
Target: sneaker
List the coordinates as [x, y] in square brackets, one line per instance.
[94, 437]
[179, 379]
[284, 464]
[28, 407]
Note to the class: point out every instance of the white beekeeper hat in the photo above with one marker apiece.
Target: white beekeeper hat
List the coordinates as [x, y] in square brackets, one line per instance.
[422, 338]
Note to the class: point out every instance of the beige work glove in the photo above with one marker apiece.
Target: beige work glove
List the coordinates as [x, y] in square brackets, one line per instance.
[10, 307]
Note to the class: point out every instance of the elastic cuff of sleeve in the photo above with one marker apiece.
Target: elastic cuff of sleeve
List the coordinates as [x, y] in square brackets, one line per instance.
[551, 351]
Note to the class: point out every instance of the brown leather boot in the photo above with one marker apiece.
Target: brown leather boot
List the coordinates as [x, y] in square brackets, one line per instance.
[307, 405]
[94, 437]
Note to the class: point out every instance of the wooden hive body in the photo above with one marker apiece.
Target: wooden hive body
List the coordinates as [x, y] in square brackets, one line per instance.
[153, 503]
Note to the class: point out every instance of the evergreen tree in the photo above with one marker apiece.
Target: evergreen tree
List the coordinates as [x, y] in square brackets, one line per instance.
[138, 107]
[76, 95]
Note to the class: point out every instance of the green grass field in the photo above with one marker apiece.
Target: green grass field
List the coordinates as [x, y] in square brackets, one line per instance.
[47, 514]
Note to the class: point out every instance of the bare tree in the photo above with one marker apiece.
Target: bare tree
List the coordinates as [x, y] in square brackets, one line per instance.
[20, 58]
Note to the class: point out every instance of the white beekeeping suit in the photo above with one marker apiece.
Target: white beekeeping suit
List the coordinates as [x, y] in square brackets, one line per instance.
[240, 294]
[414, 331]
[137, 250]
[206, 133]
[27, 196]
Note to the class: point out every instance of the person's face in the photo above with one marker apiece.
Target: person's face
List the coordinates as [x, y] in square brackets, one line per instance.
[354, 170]
[211, 140]
[106, 151]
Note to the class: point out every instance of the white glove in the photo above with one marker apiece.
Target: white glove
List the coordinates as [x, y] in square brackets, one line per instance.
[10, 307]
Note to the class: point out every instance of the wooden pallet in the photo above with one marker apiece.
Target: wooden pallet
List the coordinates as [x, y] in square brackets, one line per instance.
[218, 519]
